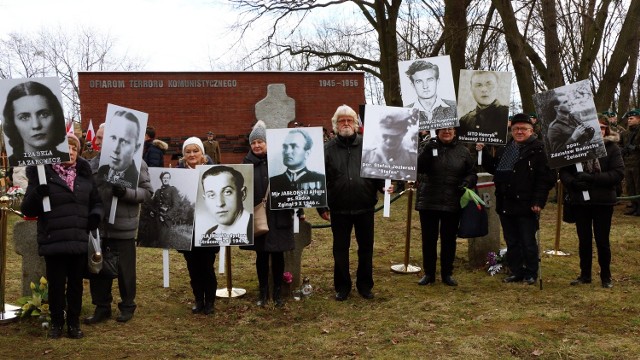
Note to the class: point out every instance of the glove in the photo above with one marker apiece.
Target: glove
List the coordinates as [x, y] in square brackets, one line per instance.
[581, 185]
[118, 191]
[92, 222]
[42, 190]
[586, 177]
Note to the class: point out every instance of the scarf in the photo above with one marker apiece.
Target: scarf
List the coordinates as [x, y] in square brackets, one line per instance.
[510, 157]
[66, 173]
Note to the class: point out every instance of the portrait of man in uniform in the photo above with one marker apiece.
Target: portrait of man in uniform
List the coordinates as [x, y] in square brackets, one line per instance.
[390, 143]
[486, 122]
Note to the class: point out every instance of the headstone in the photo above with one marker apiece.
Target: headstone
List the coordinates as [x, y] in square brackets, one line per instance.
[277, 109]
[480, 247]
[25, 243]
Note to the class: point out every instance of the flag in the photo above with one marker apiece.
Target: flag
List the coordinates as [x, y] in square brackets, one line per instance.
[91, 135]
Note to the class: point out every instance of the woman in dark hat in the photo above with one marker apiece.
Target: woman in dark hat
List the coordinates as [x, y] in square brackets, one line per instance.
[279, 239]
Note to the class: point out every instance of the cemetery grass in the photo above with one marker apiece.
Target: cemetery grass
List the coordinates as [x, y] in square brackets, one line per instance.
[481, 318]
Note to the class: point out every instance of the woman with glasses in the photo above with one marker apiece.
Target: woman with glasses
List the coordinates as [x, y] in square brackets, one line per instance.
[442, 179]
[200, 260]
[593, 217]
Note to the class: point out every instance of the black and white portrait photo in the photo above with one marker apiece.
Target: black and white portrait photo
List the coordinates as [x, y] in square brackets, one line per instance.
[296, 168]
[224, 205]
[33, 121]
[427, 85]
[121, 153]
[166, 220]
[569, 121]
[390, 143]
[483, 106]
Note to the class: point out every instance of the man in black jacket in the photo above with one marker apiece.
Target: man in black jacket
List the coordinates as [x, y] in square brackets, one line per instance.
[523, 180]
[351, 199]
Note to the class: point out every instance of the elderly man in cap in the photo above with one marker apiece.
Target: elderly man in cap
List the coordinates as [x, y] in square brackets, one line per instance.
[391, 150]
[212, 148]
[522, 179]
[567, 129]
[630, 144]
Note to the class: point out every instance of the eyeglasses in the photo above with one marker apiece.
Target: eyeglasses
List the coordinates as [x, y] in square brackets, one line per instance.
[520, 129]
[345, 121]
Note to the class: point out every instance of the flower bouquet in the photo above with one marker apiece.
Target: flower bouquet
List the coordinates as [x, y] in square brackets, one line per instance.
[494, 261]
[37, 303]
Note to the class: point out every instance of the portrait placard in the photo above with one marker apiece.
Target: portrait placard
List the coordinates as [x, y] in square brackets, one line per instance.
[121, 152]
[166, 220]
[390, 143]
[33, 122]
[483, 106]
[296, 168]
[569, 120]
[224, 205]
[427, 85]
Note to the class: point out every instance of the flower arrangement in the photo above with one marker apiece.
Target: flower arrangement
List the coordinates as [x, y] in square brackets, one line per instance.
[36, 304]
[494, 261]
[287, 277]
[15, 191]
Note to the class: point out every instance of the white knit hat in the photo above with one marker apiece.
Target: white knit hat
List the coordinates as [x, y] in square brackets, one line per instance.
[193, 140]
[259, 132]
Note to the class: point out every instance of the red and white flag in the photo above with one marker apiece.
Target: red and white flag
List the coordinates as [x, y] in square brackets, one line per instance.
[91, 135]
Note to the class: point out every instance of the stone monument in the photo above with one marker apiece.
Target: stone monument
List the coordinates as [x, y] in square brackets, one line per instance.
[25, 244]
[480, 247]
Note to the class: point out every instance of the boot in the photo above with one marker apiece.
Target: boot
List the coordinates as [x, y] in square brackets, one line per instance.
[208, 307]
[198, 307]
[277, 299]
[263, 298]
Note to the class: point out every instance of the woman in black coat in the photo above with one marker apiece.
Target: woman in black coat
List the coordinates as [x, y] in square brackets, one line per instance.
[593, 217]
[76, 209]
[280, 236]
[440, 186]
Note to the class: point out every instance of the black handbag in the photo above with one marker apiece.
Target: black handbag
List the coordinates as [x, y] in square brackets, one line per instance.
[474, 221]
[110, 260]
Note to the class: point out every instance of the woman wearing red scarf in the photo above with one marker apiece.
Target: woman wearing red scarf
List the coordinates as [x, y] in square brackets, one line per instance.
[76, 209]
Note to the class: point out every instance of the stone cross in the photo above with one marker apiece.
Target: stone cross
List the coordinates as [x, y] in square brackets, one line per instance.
[277, 109]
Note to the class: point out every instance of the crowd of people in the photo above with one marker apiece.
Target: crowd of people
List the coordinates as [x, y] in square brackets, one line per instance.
[83, 194]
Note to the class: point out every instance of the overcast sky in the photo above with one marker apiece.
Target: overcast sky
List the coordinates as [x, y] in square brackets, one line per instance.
[170, 35]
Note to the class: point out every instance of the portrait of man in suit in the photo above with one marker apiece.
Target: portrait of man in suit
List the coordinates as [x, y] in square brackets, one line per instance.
[224, 192]
[121, 143]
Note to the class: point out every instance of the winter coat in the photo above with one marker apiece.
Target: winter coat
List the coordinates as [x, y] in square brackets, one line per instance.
[442, 176]
[153, 152]
[128, 209]
[347, 192]
[603, 189]
[280, 235]
[630, 147]
[529, 182]
[63, 230]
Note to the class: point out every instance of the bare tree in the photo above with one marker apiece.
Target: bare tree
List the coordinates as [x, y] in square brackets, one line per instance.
[62, 53]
